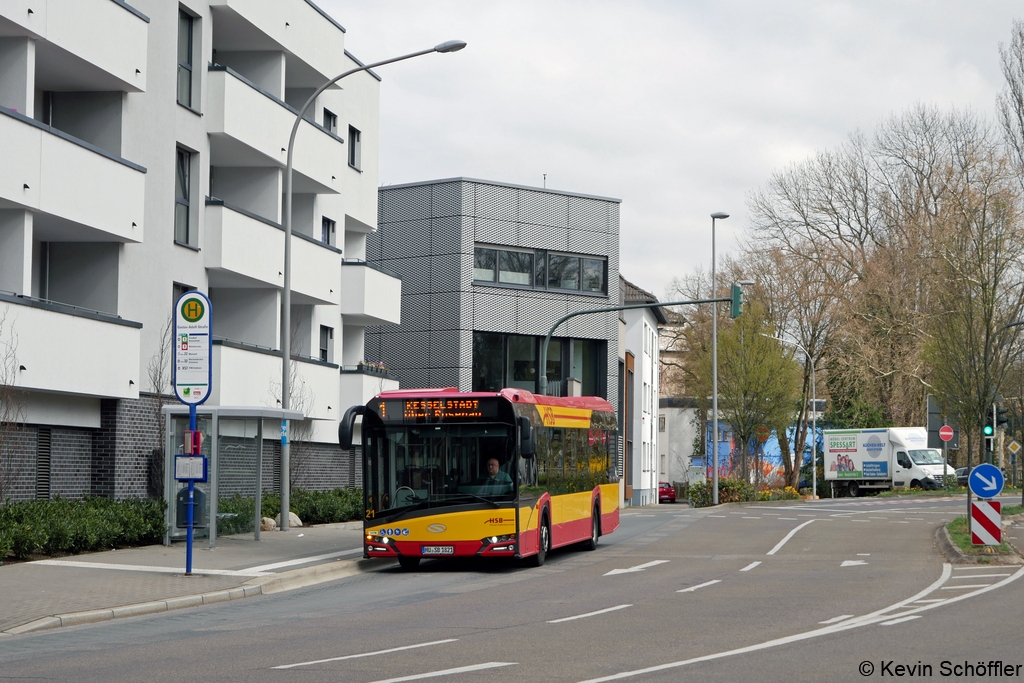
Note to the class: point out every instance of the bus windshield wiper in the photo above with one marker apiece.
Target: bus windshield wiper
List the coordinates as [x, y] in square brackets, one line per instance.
[418, 506]
[480, 498]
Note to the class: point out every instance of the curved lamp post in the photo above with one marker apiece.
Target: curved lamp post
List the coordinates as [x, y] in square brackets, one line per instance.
[714, 361]
[286, 297]
[814, 419]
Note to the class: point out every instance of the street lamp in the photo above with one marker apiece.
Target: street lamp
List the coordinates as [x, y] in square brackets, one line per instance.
[814, 419]
[714, 360]
[286, 297]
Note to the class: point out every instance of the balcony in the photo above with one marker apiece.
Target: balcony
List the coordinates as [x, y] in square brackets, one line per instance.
[359, 385]
[79, 192]
[83, 44]
[249, 127]
[71, 350]
[250, 375]
[370, 295]
[246, 250]
[313, 41]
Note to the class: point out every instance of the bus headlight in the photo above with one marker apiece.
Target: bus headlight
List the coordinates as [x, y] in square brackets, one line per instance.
[377, 539]
[506, 538]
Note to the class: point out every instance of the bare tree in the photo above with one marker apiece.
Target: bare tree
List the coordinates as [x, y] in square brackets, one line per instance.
[12, 414]
[1010, 103]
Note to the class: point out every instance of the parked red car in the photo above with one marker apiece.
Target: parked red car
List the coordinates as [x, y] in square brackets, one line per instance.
[666, 492]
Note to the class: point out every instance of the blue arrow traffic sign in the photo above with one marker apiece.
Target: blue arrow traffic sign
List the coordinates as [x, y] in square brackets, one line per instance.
[985, 481]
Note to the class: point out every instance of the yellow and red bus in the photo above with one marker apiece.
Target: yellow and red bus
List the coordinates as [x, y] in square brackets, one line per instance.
[430, 491]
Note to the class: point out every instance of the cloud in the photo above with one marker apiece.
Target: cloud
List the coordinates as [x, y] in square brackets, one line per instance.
[678, 108]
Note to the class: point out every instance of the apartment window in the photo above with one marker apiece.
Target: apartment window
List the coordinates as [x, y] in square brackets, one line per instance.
[354, 148]
[326, 344]
[484, 262]
[331, 121]
[177, 290]
[185, 26]
[182, 206]
[327, 230]
[661, 424]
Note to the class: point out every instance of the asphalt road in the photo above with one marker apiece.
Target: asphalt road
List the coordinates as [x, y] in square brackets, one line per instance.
[793, 592]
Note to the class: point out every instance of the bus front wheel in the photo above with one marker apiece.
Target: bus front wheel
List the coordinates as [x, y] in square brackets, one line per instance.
[408, 563]
[543, 542]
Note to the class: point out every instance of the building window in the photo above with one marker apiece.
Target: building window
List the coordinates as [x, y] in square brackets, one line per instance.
[331, 121]
[563, 272]
[327, 230]
[326, 344]
[594, 275]
[185, 26]
[515, 267]
[540, 270]
[354, 148]
[661, 424]
[484, 262]
[177, 290]
[182, 206]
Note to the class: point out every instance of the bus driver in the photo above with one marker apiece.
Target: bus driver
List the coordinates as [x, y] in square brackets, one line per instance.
[494, 473]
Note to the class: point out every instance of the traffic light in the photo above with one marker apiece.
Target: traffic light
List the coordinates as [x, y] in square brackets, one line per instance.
[988, 427]
[1001, 418]
[736, 306]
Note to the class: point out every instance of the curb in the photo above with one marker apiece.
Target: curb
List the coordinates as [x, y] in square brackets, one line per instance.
[957, 556]
[285, 581]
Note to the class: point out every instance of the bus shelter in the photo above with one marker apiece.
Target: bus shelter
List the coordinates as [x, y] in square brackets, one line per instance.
[233, 440]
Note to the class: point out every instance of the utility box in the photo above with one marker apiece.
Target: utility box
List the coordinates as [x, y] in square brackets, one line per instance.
[198, 509]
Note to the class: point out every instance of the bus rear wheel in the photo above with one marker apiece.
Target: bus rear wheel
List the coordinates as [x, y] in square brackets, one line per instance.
[595, 530]
[409, 563]
[543, 542]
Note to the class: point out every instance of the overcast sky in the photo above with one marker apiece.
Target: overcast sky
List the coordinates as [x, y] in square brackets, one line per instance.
[679, 109]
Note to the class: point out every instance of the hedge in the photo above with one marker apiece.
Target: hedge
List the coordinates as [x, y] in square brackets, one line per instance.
[60, 526]
[312, 507]
[736, 491]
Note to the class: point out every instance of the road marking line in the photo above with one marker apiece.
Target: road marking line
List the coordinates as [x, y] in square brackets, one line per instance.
[448, 672]
[866, 521]
[751, 518]
[589, 614]
[863, 554]
[932, 600]
[958, 588]
[142, 568]
[833, 620]
[722, 516]
[893, 622]
[702, 585]
[367, 654]
[750, 566]
[853, 563]
[304, 560]
[788, 519]
[637, 568]
[867, 619]
[976, 576]
[787, 537]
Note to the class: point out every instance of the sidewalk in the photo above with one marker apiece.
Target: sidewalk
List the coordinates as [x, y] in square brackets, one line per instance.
[98, 586]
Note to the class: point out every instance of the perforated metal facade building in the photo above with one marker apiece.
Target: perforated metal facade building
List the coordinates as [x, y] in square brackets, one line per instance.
[428, 233]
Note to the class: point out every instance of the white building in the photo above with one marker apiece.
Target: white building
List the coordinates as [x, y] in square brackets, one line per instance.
[144, 153]
[639, 407]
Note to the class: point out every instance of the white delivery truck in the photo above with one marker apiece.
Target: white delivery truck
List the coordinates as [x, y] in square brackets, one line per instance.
[857, 460]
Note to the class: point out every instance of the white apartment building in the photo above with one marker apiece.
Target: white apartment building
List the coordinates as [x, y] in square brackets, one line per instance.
[144, 147]
[640, 384]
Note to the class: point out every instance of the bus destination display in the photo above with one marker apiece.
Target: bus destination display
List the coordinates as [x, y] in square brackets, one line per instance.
[436, 409]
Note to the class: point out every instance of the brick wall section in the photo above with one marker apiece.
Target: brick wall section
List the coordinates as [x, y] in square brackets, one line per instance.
[138, 442]
[71, 463]
[104, 446]
[18, 466]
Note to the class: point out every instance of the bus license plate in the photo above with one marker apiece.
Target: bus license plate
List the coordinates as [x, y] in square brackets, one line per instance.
[438, 550]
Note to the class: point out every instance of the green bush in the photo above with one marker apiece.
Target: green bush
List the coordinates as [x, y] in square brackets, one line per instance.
[60, 526]
[735, 491]
[312, 507]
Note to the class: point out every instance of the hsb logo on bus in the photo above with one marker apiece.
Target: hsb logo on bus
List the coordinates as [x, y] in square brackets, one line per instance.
[498, 520]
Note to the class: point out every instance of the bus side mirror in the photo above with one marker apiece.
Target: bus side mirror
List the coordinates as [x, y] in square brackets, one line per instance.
[527, 446]
[347, 425]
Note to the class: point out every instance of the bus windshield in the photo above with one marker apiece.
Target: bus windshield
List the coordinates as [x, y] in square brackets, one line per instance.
[411, 467]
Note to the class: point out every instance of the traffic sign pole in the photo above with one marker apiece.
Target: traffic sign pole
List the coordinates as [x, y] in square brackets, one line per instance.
[945, 433]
